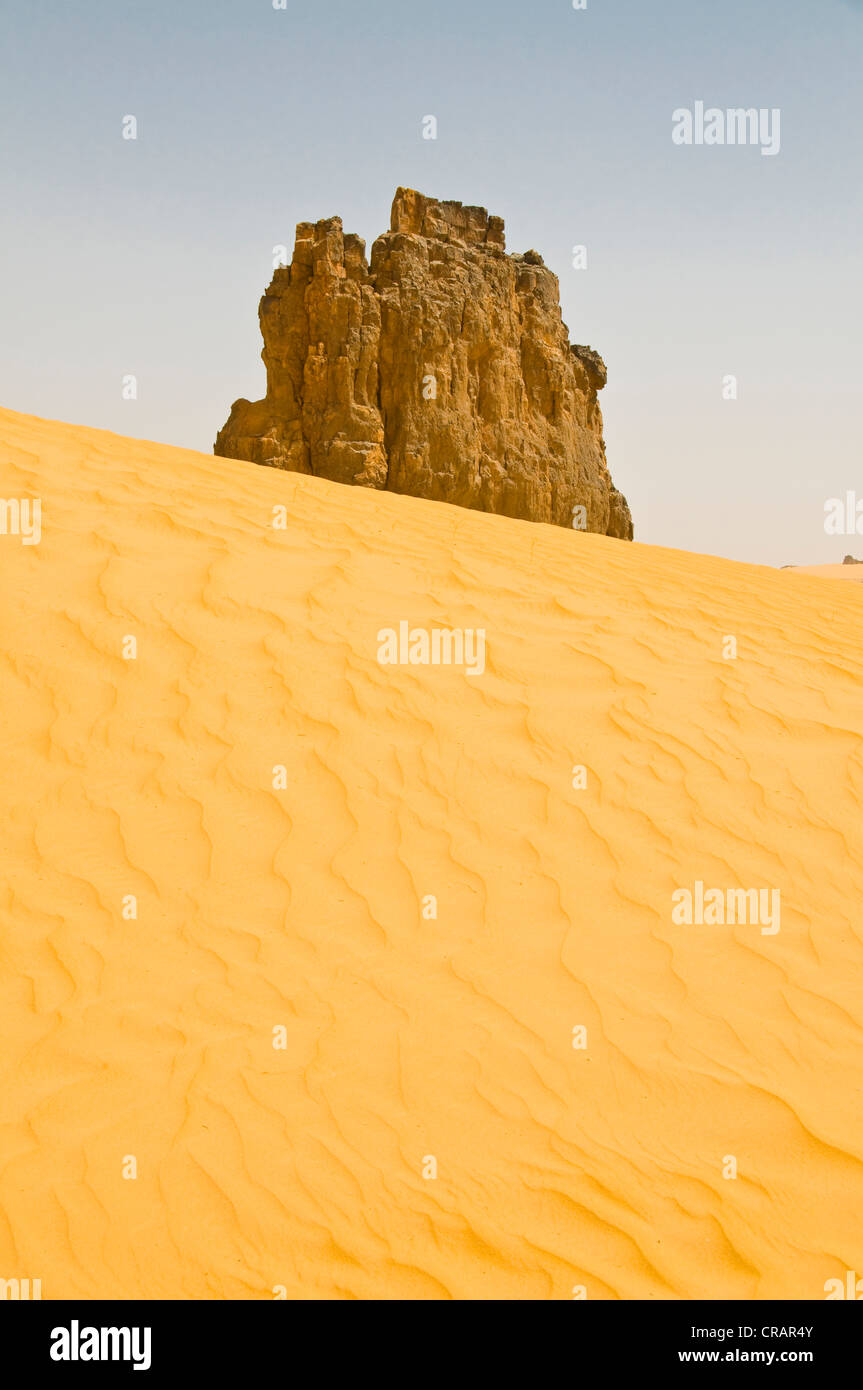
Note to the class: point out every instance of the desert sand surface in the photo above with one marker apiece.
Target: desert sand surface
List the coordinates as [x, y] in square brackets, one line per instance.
[830, 571]
[147, 1043]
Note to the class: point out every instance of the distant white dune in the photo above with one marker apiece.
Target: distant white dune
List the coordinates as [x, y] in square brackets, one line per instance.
[830, 571]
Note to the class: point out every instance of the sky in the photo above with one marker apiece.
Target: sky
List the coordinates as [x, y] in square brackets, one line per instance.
[148, 256]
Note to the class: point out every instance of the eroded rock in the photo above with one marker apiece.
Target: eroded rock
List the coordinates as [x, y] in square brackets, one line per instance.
[441, 369]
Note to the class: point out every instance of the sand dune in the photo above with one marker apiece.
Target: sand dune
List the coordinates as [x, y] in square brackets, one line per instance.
[830, 571]
[407, 1038]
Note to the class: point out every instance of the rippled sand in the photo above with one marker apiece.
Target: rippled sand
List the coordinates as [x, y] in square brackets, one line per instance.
[407, 1039]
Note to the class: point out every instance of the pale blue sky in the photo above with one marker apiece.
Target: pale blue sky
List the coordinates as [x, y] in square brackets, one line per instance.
[149, 257]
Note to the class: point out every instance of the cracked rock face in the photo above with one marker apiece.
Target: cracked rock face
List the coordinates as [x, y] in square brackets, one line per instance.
[442, 369]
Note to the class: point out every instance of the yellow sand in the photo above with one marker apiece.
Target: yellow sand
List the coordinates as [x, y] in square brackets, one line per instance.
[830, 571]
[410, 1038]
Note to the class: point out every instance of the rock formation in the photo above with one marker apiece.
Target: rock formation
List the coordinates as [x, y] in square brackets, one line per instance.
[443, 370]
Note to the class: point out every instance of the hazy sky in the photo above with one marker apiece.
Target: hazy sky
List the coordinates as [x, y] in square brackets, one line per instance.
[149, 256]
